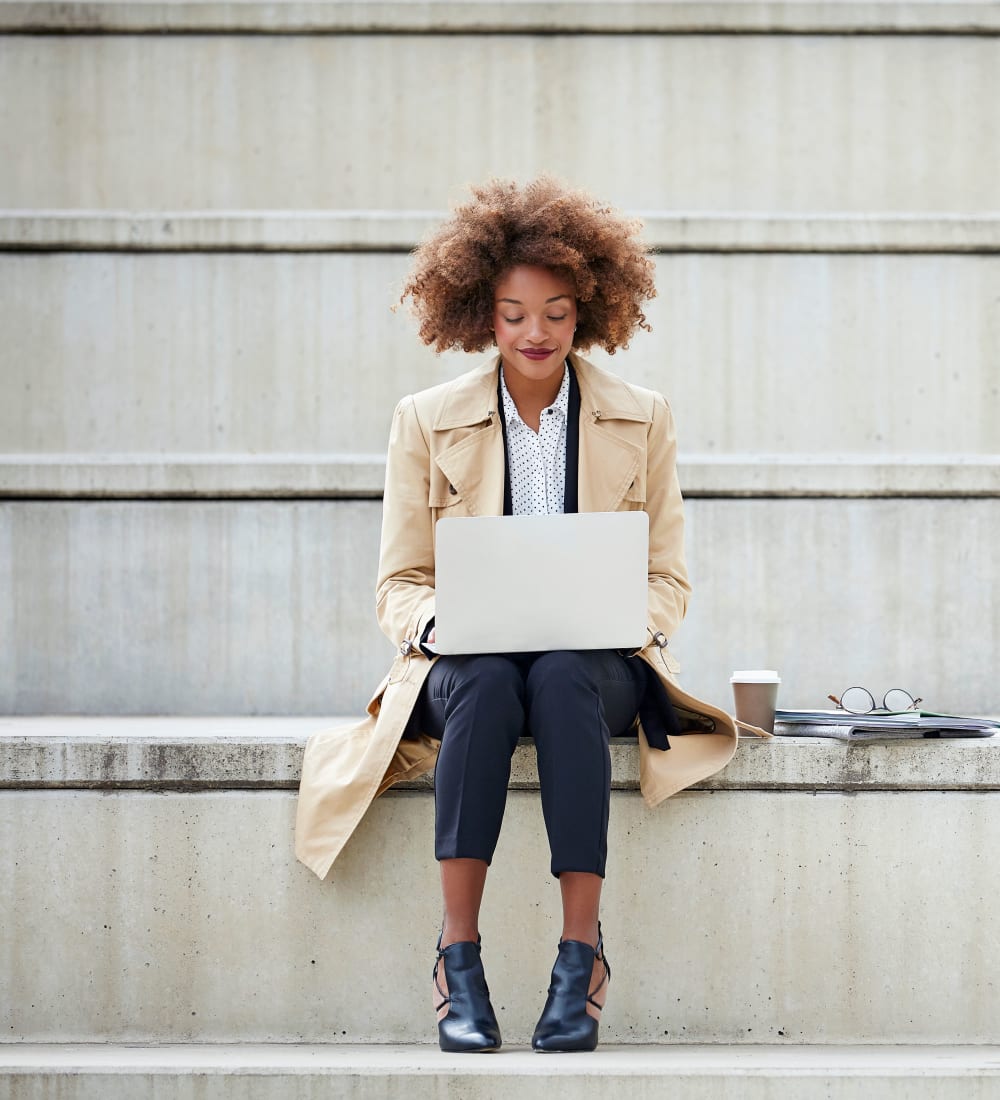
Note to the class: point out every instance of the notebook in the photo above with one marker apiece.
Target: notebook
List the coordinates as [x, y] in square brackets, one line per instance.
[510, 584]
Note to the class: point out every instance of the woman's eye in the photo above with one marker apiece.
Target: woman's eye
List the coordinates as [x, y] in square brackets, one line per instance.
[562, 318]
[513, 320]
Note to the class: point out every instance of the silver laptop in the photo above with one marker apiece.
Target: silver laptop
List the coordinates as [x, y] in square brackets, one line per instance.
[509, 584]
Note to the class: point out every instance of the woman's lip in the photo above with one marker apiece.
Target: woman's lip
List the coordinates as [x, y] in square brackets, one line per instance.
[536, 353]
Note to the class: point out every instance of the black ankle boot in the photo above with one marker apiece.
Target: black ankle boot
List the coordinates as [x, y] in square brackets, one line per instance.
[565, 1023]
[471, 1025]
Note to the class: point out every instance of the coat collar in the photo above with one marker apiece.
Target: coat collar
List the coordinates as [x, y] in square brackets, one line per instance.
[609, 459]
[472, 398]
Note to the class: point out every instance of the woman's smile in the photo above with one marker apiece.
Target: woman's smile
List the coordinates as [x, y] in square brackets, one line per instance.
[536, 354]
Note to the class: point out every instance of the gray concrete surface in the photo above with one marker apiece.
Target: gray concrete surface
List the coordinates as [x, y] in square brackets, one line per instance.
[414, 16]
[827, 355]
[400, 231]
[164, 754]
[724, 122]
[266, 607]
[170, 908]
[729, 916]
[267, 1072]
[291, 475]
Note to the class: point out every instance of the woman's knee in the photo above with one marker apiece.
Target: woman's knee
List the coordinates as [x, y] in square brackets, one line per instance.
[483, 673]
[561, 698]
[484, 694]
[563, 664]
[569, 682]
[561, 671]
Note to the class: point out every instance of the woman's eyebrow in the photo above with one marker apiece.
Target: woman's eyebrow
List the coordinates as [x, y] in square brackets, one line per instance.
[516, 302]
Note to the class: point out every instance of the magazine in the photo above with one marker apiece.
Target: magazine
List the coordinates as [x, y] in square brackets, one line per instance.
[882, 725]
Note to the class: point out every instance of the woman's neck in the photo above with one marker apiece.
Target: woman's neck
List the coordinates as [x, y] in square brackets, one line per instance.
[531, 396]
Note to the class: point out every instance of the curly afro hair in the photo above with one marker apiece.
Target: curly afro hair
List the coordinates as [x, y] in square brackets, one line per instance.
[541, 223]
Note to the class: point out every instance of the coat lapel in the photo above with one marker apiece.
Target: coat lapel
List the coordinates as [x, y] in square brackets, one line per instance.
[612, 432]
[474, 462]
[610, 455]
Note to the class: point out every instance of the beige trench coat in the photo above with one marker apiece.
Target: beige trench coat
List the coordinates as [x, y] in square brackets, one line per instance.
[446, 458]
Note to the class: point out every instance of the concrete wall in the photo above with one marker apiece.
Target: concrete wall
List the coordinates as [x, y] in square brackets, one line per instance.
[728, 122]
[216, 352]
[730, 917]
[202, 230]
[204, 215]
[230, 607]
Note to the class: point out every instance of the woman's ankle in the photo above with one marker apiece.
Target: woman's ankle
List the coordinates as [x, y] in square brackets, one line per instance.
[458, 931]
[582, 931]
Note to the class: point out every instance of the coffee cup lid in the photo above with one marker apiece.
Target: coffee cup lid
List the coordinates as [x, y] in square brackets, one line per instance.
[755, 676]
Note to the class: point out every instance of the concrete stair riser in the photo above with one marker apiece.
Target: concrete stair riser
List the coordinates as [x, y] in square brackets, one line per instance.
[731, 917]
[820, 353]
[786, 122]
[266, 606]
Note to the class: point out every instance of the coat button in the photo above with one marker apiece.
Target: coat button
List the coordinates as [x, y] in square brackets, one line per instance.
[406, 647]
[452, 490]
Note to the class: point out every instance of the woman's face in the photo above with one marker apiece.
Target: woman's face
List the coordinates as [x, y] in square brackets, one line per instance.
[534, 315]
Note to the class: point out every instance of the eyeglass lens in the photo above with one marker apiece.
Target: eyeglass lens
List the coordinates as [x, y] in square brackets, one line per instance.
[858, 700]
[898, 699]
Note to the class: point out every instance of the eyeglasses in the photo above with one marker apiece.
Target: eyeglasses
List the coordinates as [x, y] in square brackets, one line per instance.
[859, 700]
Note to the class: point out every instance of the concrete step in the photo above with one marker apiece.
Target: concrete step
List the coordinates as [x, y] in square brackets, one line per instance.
[401, 230]
[787, 122]
[263, 606]
[813, 892]
[162, 754]
[293, 475]
[819, 353]
[263, 1072]
[527, 16]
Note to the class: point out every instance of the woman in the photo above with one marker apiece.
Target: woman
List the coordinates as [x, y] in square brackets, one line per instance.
[539, 272]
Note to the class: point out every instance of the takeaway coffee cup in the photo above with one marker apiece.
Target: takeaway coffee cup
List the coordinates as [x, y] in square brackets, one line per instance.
[755, 692]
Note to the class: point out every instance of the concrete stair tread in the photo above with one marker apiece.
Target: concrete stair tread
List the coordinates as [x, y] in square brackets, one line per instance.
[342, 476]
[400, 230]
[624, 1060]
[529, 16]
[254, 1072]
[169, 752]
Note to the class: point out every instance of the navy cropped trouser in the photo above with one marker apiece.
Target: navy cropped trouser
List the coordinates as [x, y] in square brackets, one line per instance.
[571, 703]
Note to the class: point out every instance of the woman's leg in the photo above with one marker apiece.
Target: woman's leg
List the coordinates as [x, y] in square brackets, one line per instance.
[475, 705]
[576, 702]
[462, 884]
